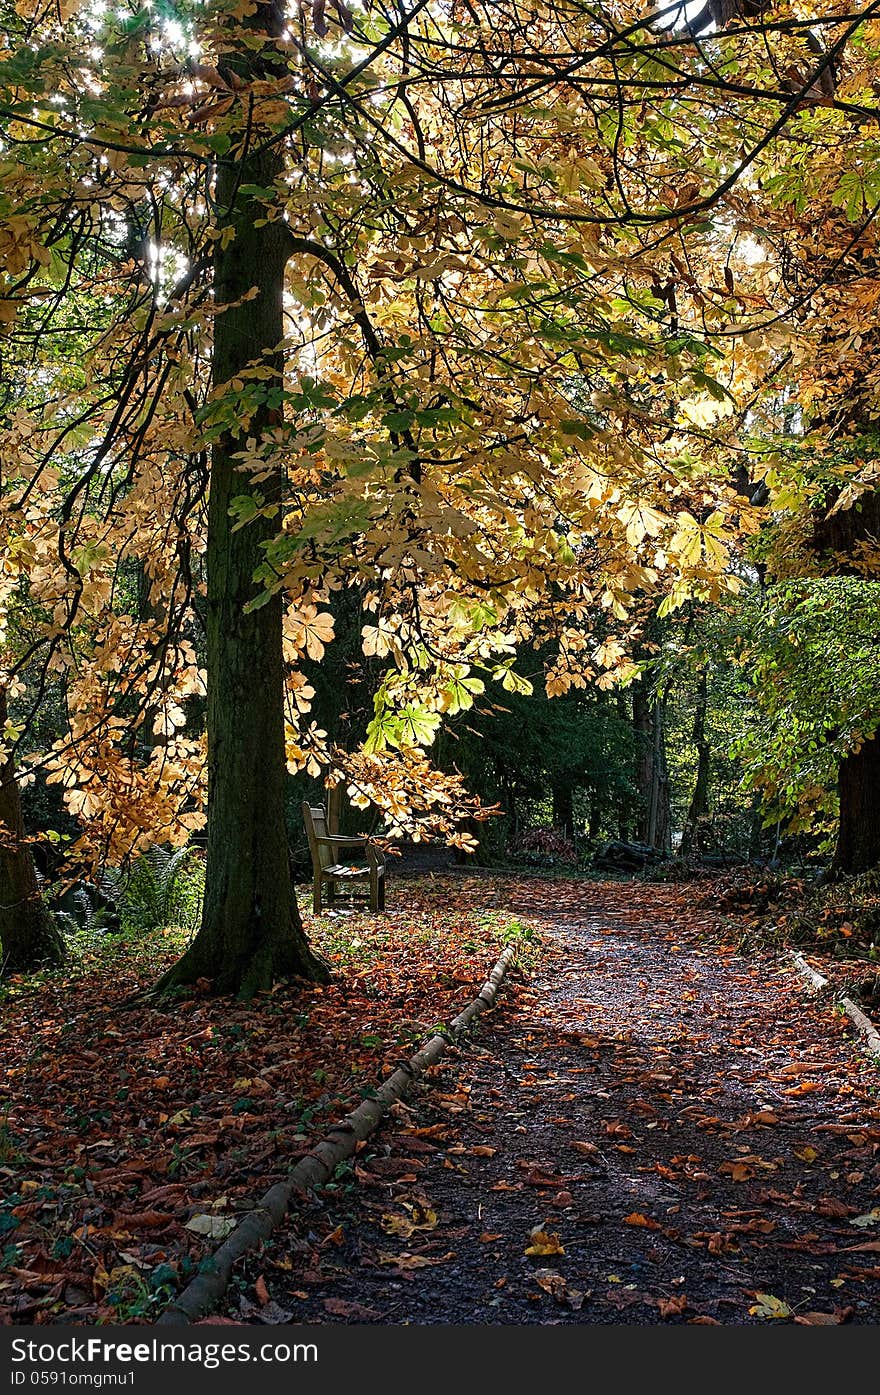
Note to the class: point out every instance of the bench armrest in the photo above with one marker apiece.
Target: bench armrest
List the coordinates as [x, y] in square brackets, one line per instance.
[375, 854]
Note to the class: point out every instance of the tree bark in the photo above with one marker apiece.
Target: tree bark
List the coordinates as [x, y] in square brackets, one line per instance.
[29, 938]
[858, 838]
[692, 837]
[563, 808]
[251, 932]
[836, 540]
[652, 778]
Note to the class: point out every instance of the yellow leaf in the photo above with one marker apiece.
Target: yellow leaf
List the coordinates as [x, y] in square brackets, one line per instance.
[544, 1243]
[768, 1306]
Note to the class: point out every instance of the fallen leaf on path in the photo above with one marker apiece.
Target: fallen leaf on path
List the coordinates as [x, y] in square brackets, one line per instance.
[404, 1226]
[544, 1242]
[551, 1282]
[672, 1307]
[738, 1171]
[215, 1227]
[769, 1306]
[869, 1218]
[589, 1150]
[408, 1261]
[341, 1307]
[636, 1218]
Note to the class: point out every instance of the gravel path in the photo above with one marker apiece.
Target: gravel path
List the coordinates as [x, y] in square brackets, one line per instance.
[678, 1133]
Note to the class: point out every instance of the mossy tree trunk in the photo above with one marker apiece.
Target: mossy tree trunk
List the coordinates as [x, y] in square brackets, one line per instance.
[251, 933]
[29, 937]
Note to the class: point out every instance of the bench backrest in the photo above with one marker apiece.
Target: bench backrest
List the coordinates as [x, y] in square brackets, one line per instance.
[315, 819]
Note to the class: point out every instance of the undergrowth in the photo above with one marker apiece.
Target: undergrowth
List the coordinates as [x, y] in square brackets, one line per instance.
[770, 910]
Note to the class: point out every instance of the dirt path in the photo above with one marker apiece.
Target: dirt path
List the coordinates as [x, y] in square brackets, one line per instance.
[687, 1131]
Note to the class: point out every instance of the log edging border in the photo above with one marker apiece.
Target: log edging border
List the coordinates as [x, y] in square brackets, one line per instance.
[338, 1143]
[819, 983]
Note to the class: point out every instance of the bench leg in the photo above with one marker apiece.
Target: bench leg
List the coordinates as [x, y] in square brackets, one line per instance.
[377, 890]
[316, 894]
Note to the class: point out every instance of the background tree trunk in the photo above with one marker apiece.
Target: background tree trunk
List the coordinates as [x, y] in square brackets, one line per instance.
[563, 808]
[251, 932]
[858, 838]
[836, 542]
[652, 778]
[29, 937]
[836, 538]
[692, 836]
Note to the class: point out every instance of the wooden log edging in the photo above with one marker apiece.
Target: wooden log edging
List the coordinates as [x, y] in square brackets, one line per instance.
[339, 1143]
[816, 980]
[862, 1023]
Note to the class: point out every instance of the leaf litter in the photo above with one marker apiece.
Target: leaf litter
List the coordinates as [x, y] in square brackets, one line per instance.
[633, 1116]
[133, 1135]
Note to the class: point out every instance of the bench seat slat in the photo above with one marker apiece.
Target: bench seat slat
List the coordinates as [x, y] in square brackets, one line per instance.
[333, 875]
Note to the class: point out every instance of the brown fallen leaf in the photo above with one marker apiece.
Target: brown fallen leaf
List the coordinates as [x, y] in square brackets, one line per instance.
[672, 1307]
[341, 1307]
[805, 1067]
[551, 1282]
[636, 1218]
[738, 1171]
[409, 1261]
[261, 1290]
[818, 1319]
[831, 1206]
[143, 1220]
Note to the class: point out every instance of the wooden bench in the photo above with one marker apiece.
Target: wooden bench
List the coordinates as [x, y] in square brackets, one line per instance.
[330, 872]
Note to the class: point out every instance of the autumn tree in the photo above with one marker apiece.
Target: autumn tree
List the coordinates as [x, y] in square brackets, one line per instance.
[457, 305]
